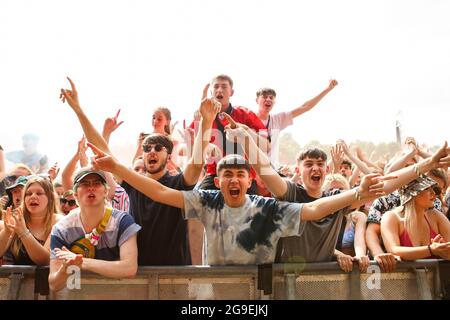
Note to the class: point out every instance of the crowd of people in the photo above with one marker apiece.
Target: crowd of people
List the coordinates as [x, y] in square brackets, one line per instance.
[217, 196]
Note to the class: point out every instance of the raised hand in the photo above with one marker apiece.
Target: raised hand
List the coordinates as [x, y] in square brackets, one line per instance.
[71, 96]
[111, 124]
[341, 143]
[231, 123]
[8, 220]
[209, 107]
[82, 146]
[333, 83]
[235, 131]
[53, 171]
[197, 115]
[337, 155]
[441, 158]
[372, 185]
[18, 222]
[188, 135]
[410, 140]
[102, 160]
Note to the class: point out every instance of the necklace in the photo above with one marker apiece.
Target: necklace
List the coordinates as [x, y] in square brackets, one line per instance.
[37, 235]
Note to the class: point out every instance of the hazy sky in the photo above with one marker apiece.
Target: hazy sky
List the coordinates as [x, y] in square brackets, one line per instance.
[137, 55]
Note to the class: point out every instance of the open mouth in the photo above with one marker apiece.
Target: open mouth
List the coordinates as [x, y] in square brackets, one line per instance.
[234, 193]
[316, 178]
[152, 161]
[33, 204]
[91, 196]
[219, 97]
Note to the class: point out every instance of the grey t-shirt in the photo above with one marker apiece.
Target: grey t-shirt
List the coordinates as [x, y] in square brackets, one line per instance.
[319, 238]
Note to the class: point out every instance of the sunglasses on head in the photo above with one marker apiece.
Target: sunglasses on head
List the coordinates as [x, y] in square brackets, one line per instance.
[70, 202]
[148, 147]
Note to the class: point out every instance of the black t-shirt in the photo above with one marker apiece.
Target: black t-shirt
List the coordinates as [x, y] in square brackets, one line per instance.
[23, 258]
[163, 239]
[318, 239]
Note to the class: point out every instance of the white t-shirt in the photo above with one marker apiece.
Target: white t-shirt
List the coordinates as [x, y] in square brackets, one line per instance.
[277, 122]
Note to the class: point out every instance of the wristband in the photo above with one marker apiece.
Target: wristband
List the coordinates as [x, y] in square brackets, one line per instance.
[357, 195]
[416, 170]
[25, 234]
[429, 249]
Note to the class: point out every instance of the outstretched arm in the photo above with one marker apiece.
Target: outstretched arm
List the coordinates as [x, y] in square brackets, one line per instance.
[440, 159]
[92, 135]
[308, 105]
[67, 173]
[401, 161]
[150, 187]
[371, 186]
[360, 164]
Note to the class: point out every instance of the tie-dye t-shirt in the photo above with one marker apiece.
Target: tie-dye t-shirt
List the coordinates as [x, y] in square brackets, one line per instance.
[244, 235]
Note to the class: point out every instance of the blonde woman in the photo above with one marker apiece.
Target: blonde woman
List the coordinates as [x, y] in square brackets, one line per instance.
[25, 232]
[416, 230]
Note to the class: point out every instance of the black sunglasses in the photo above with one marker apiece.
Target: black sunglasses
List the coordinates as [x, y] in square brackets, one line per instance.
[148, 147]
[437, 190]
[70, 202]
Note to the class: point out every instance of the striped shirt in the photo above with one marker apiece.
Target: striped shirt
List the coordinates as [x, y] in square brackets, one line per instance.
[120, 228]
[121, 201]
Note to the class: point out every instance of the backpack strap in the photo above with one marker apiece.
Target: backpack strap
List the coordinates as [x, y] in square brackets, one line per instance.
[102, 225]
[94, 236]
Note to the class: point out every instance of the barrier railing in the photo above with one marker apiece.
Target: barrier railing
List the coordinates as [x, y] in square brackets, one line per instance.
[421, 279]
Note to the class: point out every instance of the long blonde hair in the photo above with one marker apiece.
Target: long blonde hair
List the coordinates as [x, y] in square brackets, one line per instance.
[407, 211]
[49, 215]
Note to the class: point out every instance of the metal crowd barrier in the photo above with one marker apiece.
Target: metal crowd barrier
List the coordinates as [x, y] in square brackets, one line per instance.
[421, 279]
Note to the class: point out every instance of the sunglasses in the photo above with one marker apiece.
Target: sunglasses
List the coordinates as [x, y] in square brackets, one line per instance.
[70, 202]
[148, 147]
[437, 190]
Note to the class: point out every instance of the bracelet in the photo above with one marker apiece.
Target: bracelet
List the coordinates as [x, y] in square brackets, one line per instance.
[416, 170]
[429, 249]
[357, 195]
[25, 234]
